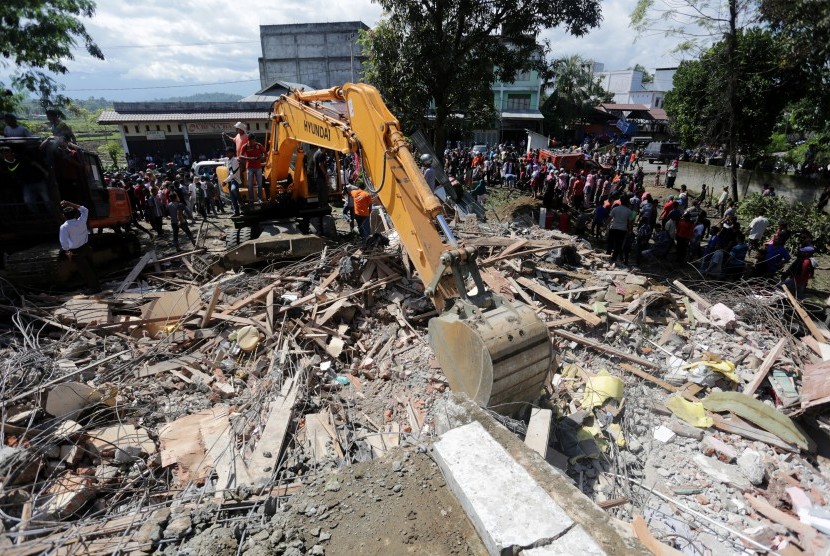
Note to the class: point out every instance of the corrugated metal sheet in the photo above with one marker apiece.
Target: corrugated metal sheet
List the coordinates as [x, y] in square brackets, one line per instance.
[115, 117]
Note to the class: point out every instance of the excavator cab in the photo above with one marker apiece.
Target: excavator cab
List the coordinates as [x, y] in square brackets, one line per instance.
[36, 174]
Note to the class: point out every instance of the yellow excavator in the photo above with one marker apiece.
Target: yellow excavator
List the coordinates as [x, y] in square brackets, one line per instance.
[496, 351]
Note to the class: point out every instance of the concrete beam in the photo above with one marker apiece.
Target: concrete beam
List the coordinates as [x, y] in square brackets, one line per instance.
[506, 506]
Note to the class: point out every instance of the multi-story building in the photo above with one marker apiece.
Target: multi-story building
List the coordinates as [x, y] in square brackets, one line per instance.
[628, 88]
[321, 55]
[517, 110]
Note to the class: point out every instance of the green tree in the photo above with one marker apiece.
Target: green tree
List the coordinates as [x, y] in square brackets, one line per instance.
[451, 51]
[700, 23]
[697, 106]
[37, 37]
[647, 77]
[574, 94]
[802, 28]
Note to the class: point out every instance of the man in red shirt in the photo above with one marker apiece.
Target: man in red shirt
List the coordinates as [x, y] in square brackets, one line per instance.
[577, 193]
[253, 154]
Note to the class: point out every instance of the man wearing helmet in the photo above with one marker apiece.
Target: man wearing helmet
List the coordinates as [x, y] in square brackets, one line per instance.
[429, 173]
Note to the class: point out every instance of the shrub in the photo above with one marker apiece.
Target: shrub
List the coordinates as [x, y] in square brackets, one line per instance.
[800, 217]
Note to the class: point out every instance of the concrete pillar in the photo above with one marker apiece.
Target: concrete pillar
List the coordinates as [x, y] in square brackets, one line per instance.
[186, 140]
[124, 144]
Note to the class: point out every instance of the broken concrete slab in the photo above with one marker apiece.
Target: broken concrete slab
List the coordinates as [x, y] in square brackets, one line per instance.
[69, 398]
[484, 478]
[129, 440]
[722, 472]
[65, 496]
[538, 430]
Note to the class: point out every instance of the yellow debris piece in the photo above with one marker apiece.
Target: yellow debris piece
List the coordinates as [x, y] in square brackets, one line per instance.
[601, 387]
[616, 433]
[678, 328]
[692, 412]
[726, 368]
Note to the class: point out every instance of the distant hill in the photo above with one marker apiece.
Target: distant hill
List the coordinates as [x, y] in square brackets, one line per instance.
[203, 97]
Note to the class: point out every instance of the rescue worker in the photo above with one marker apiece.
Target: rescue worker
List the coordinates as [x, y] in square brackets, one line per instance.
[233, 180]
[253, 154]
[362, 210]
[74, 239]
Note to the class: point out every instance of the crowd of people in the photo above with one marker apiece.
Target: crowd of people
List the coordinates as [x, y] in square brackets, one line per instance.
[612, 204]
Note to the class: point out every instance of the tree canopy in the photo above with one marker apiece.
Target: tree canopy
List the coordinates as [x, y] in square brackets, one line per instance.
[697, 105]
[574, 94]
[450, 52]
[37, 37]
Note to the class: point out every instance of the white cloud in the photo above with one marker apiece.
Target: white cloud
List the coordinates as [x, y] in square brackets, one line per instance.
[148, 23]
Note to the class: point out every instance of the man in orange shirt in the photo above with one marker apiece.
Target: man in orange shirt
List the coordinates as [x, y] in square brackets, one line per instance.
[362, 209]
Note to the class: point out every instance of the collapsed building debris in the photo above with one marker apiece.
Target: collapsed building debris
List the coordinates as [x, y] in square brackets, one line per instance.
[185, 406]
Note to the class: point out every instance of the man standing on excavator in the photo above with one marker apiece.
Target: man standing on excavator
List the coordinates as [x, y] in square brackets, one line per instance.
[74, 238]
[233, 180]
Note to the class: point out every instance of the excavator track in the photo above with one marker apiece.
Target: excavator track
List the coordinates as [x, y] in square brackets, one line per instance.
[45, 267]
[500, 357]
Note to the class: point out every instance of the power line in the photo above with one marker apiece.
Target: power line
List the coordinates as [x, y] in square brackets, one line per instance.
[161, 86]
[114, 46]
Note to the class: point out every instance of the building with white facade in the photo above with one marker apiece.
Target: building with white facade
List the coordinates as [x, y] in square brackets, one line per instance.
[628, 88]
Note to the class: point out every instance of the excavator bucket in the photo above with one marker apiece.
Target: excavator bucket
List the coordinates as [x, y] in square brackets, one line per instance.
[498, 357]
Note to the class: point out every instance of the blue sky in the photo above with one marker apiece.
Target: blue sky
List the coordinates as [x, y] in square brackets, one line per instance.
[162, 48]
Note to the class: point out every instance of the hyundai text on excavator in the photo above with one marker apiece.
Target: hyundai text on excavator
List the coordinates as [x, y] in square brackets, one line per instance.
[43, 173]
[496, 351]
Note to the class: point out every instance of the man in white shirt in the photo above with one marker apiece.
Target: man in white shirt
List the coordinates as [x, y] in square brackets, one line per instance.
[14, 129]
[233, 180]
[74, 239]
[722, 200]
[757, 228]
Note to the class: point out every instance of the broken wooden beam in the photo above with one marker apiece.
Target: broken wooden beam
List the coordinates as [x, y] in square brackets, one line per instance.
[548, 295]
[765, 367]
[593, 344]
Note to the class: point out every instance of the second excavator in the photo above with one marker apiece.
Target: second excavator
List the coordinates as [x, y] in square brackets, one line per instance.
[496, 351]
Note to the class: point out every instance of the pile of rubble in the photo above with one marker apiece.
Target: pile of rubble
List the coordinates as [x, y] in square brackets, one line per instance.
[185, 412]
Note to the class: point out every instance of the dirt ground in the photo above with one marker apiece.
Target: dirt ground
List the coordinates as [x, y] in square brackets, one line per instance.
[396, 505]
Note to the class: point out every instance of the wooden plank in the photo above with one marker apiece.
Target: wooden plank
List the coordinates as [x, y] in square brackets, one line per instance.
[214, 298]
[538, 431]
[546, 294]
[667, 332]
[497, 282]
[149, 256]
[815, 384]
[694, 295]
[280, 413]
[368, 271]
[316, 436]
[605, 349]
[322, 319]
[517, 255]
[522, 293]
[649, 377]
[323, 286]
[765, 367]
[565, 321]
[649, 541]
[805, 317]
[169, 365]
[249, 299]
[770, 512]
[269, 313]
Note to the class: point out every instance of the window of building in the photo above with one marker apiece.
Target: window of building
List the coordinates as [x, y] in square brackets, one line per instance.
[126, 129]
[158, 128]
[523, 76]
[169, 129]
[146, 128]
[257, 126]
[518, 101]
[180, 128]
